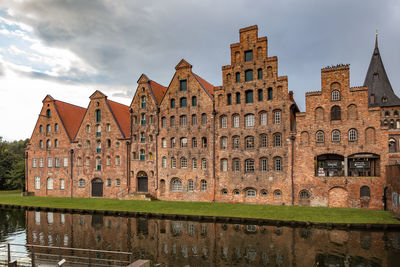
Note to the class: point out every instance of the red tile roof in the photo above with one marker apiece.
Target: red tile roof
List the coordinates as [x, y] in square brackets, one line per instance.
[158, 90]
[122, 115]
[71, 116]
[206, 85]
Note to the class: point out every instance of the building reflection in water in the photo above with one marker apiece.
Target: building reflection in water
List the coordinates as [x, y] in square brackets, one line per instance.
[181, 243]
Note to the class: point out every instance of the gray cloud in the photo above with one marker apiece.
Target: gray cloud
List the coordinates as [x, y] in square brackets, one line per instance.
[122, 39]
[1, 69]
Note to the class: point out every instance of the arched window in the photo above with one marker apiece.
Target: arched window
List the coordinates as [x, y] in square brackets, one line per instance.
[263, 164]
[203, 184]
[249, 165]
[223, 121]
[143, 101]
[335, 136]
[392, 146]
[81, 183]
[259, 74]
[183, 163]
[194, 119]
[237, 98]
[108, 160]
[203, 164]
[194, 101]
[142, 154]
[249, 96]
[319, 114]
[352, 112]
[173, 142]
[183, 102]
[190, 185]
[269, 72]
[194, 142]
[172, 103]
[249, 120]
[304, 138]
[163, 122]
[182, 120]
[335, 95]
[237, 77]
[48, 128]
[184, 142]
[194, 163]
[249, 142]
[172, 121]
[270, 93]
[248, 75]
[236, 165]
[56, 127]
[263, 141]
[151, 156]
[277, 193]
[228, 77]
[224, 142]
[203, 142]
[173, 163]
[335, 113]
[370, 135]
[236, 142]
[260, 95]
[236, 120]
[164, 162]
[365, 192]
[277, 117]
[98, 163]
[353, 135]
[163, 142]
[108, 142]
[236, 192]
[48, 113]
[204, 119]
[278, 164]
[41, 129]
[50, 183]
[55, 142]
[98, 115]
[176, 185]
[277, 139]
[224, 165]
[251, 192]
[48, 143]
[224, 192]
[320, 137]
[304, 194]
[263, 118]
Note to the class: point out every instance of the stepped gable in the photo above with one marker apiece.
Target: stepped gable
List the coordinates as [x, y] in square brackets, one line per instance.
[378, 83]
[71, 116]
[122, 116]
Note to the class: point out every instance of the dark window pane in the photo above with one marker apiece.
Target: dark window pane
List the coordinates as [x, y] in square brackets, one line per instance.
[248, 55]
[183, 85]
[249, 96]
[229, 99]
[248, 75]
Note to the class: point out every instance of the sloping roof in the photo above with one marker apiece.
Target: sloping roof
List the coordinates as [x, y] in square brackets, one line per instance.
[71, 116]
[378, 83]
[206, 85]
[158, 91]
[122, 116]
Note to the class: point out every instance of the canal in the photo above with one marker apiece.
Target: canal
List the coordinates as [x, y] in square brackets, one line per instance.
[192, 243]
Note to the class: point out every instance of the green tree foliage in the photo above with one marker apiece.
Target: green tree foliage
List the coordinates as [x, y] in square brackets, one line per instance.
[12, 164]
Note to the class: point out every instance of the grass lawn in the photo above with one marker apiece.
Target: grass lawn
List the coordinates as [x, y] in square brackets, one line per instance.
[311, 214]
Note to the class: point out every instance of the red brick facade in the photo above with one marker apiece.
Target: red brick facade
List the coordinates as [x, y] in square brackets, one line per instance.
[244, 141]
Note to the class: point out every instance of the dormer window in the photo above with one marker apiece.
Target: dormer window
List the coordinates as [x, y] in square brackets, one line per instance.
[384, 99]
[248, 55]
[183, 85]
[335, 95]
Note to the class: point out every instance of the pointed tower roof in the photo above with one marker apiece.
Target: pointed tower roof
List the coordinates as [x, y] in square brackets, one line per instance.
[378, 83]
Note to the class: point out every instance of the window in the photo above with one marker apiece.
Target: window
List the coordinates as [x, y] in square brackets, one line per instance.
[57, 162]
[194, 119]
[249, 165]
[392, 146]
[163, 122]
[194, 142]
[65, 162]
[41, 163]
[235, 120]
[223, 121]
[41, 129]
[237, 77]
[278, 164]
[183, 102]
[172, 121]
[184, 142]
[237, 98]
[173, 163]
[304, 194]
[48, 113]
[48, 128]
[183, 85]
[224, 165]
[248, 75]
[142, 137]
[236, 142]
[224, 192]
[277, 117]
[108, 182]
[251, 193]
[81, 183]
[352, 135]
[270, 93]
[263, 141]
[194, 163]
[98, 163]
[335, 113]
[277, 139]
[172, 101]
[249, 120]
[151, 156]
[62, 184]
[48, 143]
[264, 193]
[365, 192]
[182, 119]
[277, 193]
[163, 143]
[55, 142]
[49, 162]
[259, 74]
[203, 164]
[56, 127]
[143, 102]
[190, 185]
[108, 160]
[87, 161]
[143, 119]
[204, 119]
[176, 185]
[263, 118]
[203, 142]
[117, 182]
[224, 142]
[236, 165]
[41, 143]
[203, 185]
[173, 142]
[260, 94]
[248, 55]
[34, 163]
[229, 99]
[236, 192]
[164, 162]
[320, 137]
[335, 95]
[108, 127]
[37, 183]
[142, 154]
[108, 143]
[335, 136]
[263, 164]
[249, 142]
[98, 115]
[183, 163]
[249, 96]
[194, 101]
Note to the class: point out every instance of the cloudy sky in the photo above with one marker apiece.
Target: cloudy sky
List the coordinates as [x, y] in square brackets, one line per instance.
[70, 48]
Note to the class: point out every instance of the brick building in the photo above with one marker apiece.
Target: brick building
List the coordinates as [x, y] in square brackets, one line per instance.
[243, 141]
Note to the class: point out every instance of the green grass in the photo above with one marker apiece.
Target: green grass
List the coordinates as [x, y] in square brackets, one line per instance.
[311, 214]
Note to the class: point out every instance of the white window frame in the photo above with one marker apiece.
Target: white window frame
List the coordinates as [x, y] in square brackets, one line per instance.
[277, 117]
[263, 118]
[249, 120]
[37, 182]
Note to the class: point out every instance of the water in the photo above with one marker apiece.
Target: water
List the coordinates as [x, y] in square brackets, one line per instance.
[190, 243]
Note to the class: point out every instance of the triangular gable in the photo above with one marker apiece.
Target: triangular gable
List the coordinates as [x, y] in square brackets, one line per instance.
[48, 98]
[182, 65]
[71, 117]
[122, 116]
[97, 94]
